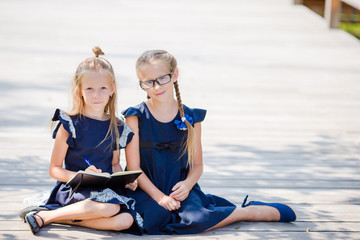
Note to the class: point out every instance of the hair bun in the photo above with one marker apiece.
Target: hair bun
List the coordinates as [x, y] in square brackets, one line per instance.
[97, 51]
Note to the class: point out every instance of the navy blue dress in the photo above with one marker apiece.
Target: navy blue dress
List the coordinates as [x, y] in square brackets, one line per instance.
[161, 161]
[85, 136]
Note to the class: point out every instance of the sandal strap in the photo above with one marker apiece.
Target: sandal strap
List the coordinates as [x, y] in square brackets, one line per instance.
[244, 202]
[42, 220]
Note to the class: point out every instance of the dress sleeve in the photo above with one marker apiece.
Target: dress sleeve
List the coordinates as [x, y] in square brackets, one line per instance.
[68, 125]
[131, 111]
[199, 114]
[126, 135]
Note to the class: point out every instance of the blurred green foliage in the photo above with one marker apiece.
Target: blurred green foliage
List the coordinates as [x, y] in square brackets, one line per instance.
[351, 24]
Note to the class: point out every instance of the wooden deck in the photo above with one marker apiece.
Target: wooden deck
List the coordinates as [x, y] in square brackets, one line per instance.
[281, 89]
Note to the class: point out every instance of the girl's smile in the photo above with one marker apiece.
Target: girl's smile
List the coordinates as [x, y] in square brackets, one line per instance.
[161, 93]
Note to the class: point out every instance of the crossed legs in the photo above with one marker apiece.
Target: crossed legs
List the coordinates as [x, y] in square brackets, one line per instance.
[93, 214]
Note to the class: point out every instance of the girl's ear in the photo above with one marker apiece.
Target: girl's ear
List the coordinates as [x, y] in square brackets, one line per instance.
[112, 89]
[175, 75]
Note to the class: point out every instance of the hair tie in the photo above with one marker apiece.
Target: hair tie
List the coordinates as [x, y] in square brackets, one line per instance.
[181, 124]
[97, 51]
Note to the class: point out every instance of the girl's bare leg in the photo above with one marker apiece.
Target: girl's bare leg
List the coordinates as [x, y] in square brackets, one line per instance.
[119, 222]
[250, 214]
[86, 209]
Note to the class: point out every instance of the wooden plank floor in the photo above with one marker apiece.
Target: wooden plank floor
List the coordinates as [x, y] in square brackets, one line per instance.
[282, 93]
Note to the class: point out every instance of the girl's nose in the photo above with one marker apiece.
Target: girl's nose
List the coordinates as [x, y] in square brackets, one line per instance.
[156, 85]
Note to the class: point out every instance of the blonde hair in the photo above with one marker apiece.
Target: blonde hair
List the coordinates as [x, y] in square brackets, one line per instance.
[102, 65]
[169, 60]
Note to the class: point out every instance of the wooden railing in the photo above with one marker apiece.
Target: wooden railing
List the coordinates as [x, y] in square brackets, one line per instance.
[333, 10]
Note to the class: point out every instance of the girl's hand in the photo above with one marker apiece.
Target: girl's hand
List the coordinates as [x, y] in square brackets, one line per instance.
[93, 169]
[169, 203]
[132, 186]
[180, 191]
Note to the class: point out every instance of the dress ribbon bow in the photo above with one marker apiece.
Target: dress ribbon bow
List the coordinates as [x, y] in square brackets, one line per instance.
[162, 146]
[181, 124]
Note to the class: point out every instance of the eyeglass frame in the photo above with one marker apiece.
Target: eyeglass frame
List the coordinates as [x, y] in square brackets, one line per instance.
[156, 80]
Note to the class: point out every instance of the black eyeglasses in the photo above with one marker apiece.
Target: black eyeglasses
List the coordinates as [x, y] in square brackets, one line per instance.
[164, 79]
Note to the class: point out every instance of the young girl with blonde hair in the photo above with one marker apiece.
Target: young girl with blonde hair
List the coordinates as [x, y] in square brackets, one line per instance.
[88, 138]
[167, 147]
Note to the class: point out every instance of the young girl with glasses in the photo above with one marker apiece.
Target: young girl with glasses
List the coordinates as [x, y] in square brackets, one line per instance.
[167, 147]
[88, 138]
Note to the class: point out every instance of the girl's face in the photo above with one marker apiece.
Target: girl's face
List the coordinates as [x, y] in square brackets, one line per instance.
[154, 70]
[96, 88]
